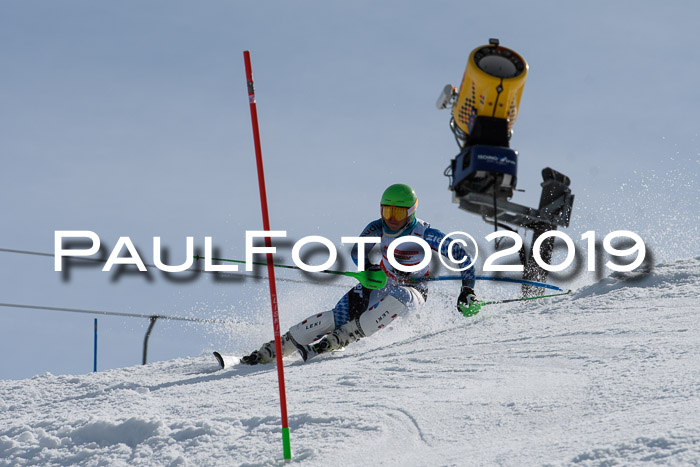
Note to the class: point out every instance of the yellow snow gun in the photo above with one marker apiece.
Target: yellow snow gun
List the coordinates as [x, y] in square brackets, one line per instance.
[486, 106]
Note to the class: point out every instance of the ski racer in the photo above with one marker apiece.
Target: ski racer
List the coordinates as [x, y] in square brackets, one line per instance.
[361, 312]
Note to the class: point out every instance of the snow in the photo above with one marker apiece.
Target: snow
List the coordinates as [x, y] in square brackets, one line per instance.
[605, 376]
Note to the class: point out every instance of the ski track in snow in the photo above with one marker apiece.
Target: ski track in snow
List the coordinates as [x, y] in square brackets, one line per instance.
[606, 376]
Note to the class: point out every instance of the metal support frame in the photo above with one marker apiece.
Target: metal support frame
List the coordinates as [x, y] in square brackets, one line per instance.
[555, 213]
[556, 203]
[152, 320]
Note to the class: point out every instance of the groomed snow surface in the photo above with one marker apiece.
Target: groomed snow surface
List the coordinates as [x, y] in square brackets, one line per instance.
[609, 375]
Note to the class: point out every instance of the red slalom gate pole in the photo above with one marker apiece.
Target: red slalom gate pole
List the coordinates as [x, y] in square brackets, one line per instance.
[270, 266]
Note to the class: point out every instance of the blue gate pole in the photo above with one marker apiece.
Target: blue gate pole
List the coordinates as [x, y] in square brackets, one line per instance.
[94, 365]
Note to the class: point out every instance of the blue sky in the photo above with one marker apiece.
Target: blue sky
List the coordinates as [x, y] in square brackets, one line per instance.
[131, 119]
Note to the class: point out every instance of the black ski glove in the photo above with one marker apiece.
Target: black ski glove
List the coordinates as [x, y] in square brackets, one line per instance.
[467, 303]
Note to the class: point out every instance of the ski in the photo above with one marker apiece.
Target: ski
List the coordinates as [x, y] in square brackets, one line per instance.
[220, 359]
[226, 361]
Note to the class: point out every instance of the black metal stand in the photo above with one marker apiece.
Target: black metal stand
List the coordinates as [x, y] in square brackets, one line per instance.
[152, 320]
[556, 203]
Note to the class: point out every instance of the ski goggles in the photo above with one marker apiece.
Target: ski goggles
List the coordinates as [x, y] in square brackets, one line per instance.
[399, 213]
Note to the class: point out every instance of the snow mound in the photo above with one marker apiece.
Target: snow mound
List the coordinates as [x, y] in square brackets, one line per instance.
[673, 277]
[607, 375]
[663, 450]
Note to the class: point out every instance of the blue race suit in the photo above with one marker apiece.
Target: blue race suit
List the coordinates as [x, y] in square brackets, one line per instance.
[401, 285]
[361, 312]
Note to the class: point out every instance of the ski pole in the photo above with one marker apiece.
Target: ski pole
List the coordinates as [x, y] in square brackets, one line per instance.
[377, 279]
[525, 298]
[497, 279]
[369, 279]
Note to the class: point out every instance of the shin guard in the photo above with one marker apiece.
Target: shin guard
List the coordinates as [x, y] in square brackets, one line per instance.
[312, 328]
[379, 315]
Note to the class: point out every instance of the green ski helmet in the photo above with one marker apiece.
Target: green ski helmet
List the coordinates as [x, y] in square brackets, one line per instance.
[401, 196]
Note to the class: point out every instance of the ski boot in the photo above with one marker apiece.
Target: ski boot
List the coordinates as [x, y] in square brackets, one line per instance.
[267, 354]
[254, 358]
[338, 339]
